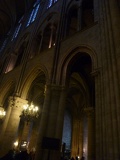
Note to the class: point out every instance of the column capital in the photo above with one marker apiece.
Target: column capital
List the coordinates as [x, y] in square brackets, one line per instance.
[17, 102]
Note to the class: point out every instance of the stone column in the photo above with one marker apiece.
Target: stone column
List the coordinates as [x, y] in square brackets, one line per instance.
[60, 117]
[91, 135]
[81, 138]
[43, 123]
[26, 132]
[52, 121]
[34, 135]
[74, 149]
[55, 95]
[110, 79]
[11, 126]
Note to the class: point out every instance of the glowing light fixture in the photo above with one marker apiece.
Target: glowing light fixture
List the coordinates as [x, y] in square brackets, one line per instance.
[30, 112]
[2, 113]
[16, 144]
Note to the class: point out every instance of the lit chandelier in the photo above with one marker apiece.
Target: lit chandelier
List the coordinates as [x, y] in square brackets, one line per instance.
[30, 112]
[2, 113]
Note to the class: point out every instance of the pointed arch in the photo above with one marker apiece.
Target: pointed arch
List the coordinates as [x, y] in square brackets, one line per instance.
[69, 55]
[30, 78]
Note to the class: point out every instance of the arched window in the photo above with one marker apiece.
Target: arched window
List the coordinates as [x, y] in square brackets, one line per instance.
[49, 37]
[18, 27]
[51, 2]
[33, 13]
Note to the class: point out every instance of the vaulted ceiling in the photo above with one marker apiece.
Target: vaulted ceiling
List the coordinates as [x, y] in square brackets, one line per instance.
[10, 13]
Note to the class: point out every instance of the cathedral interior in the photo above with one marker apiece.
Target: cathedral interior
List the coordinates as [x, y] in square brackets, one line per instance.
[60, 79]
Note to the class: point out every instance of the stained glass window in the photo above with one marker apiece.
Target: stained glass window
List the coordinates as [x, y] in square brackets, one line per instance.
[17, 29]
[51, 2]
[33, 13]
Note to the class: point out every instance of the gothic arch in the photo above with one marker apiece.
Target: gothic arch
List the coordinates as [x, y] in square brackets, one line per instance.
[30, 77]
[70, 54]
[76, 68]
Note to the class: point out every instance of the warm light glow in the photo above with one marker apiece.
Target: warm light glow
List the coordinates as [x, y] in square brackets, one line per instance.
[16, 143]
[30, 112]
[25, 106]
[2, 113]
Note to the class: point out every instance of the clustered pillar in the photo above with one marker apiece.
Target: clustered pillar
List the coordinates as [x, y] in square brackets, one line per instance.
[10, 125]
[51, 123]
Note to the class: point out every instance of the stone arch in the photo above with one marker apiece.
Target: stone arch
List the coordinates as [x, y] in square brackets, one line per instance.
[70, 54]
[52, 17]
[77, 66]
[30, 77]
[46, 33]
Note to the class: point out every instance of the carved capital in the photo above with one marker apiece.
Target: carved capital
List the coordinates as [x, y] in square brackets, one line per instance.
[16, 102]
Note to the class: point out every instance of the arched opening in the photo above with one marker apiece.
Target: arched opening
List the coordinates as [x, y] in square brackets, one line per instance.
[80, 96]
[49, 37]
[29, 130]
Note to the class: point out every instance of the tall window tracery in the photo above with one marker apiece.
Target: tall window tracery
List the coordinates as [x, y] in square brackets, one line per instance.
[18, 27]
[33, 13]
[51, 2]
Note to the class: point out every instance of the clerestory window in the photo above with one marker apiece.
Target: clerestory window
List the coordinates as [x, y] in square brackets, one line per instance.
[51, 2]
[33, 13]
[17, 29]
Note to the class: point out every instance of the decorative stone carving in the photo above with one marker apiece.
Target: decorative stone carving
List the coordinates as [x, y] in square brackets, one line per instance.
[16, 102]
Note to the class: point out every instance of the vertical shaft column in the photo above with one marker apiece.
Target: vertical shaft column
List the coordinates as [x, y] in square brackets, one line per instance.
[34, 135]
[55, 95]
[74, 151]
[91, 136]
[81, 138]
[52, 122]
[25, 132]
[10, 132]
[60, 116]
[43, 123]
[111, 92]
[4, 123]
